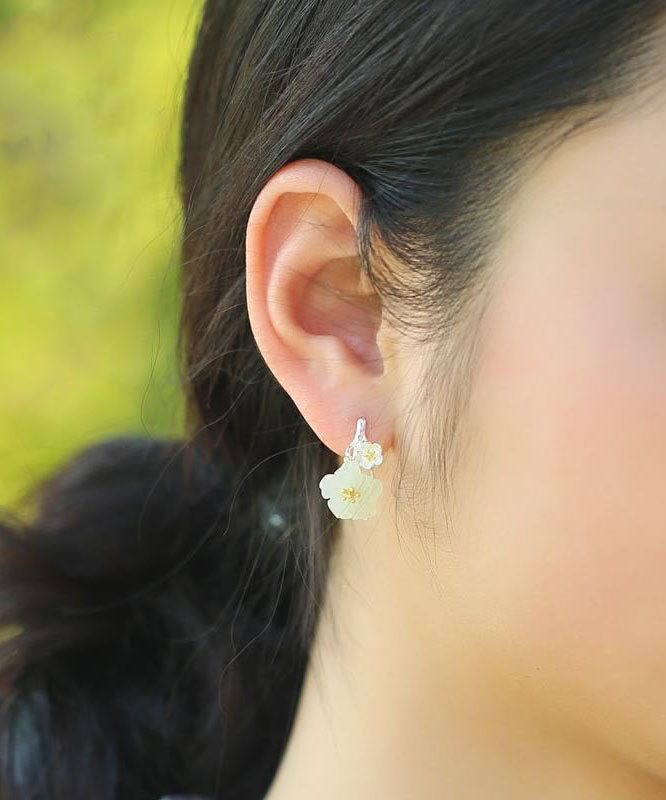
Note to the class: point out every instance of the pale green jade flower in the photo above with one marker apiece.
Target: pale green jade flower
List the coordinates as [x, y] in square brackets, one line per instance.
[351, 494]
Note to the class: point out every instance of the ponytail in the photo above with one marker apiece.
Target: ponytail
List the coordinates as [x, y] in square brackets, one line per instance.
[130, 669]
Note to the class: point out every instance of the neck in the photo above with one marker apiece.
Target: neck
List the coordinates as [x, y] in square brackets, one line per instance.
[400, 701]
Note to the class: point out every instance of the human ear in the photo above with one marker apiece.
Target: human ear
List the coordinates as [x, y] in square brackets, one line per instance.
[312, 313]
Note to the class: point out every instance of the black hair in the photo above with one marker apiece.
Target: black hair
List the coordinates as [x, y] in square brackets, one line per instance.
[161, 596]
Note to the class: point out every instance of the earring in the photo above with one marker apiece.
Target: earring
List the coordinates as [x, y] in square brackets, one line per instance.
[351, 493]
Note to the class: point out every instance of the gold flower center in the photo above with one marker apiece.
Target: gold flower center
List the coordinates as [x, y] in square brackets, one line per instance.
[350, 493]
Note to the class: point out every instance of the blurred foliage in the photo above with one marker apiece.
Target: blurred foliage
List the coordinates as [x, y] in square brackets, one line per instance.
[90, 98]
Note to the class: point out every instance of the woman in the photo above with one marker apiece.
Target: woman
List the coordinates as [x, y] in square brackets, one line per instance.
[446, 220]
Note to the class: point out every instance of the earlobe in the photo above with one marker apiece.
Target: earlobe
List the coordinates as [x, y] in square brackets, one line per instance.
[314, 318]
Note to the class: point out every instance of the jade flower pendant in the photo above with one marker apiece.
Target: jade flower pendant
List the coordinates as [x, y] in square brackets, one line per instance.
[351, 493]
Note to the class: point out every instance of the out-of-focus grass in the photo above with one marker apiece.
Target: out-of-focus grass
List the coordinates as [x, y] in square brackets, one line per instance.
[90, 98]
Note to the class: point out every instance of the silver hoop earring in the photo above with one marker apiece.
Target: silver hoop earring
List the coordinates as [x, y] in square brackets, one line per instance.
[352, 493]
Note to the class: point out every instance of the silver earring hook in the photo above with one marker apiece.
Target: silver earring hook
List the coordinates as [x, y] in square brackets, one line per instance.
[359, 438]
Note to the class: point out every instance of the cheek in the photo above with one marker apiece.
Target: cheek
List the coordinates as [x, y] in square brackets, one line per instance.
[563, 549]
[587, 420]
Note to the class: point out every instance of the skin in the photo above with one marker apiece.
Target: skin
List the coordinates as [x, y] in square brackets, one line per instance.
[523, 653]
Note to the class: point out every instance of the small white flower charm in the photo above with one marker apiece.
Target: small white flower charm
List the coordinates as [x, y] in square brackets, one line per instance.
[352, 493]
[369, 454]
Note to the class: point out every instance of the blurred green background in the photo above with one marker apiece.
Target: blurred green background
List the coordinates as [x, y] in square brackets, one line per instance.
[90, 98]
